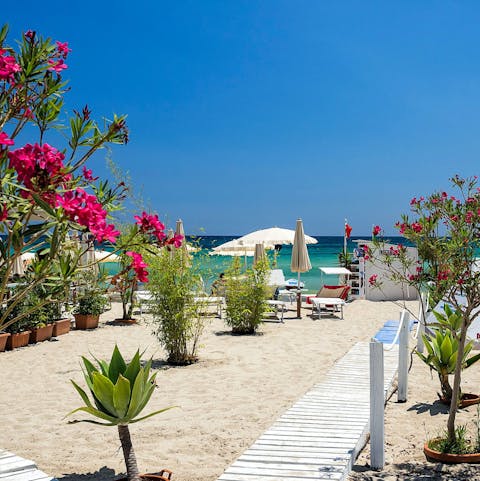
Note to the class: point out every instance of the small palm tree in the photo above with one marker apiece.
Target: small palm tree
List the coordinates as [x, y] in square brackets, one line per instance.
[120, 391]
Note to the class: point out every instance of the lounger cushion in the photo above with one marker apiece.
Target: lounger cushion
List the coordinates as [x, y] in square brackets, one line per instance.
[331, 291]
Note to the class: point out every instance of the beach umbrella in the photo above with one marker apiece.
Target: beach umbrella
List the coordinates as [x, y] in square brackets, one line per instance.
[179, 230]
[87, 257]
[272, 237]
[259, 253]
[105, 256]
[27, 257]
[18, 268]
[300, 260]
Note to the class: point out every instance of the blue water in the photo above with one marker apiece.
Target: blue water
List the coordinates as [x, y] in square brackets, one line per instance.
[323, 254]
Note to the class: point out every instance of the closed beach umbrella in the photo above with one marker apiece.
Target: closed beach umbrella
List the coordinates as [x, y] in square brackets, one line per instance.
[18, 269]
[259, 253]
[300, 260]
[179, 230]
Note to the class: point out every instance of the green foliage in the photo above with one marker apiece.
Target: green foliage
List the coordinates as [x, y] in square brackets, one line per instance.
[177, 317]
[246, 296]
[119, 390]
[442, 348]
[461, 444]
[345, 259]
[91, 303]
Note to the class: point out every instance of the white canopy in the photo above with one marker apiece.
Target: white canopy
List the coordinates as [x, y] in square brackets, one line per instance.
[337, 271]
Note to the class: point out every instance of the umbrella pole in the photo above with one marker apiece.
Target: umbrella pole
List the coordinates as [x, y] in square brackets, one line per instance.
[299, 297]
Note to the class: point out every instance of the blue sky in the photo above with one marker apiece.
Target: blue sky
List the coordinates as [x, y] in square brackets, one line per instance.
[249, 114]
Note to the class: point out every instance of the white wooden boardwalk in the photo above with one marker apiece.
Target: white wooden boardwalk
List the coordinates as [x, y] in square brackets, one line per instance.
[321, 435]
[15, 468]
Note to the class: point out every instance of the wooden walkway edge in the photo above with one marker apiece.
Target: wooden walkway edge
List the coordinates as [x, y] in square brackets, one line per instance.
[15, 468]
[321, 435]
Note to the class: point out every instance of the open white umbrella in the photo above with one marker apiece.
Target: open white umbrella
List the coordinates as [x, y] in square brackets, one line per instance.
[259, 253]
[273, 236]
[300, 260]
[106, 256]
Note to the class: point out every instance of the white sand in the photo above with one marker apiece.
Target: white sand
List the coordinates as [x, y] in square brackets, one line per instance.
[238, 389]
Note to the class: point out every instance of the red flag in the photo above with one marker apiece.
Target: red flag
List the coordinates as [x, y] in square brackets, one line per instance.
[348, 231]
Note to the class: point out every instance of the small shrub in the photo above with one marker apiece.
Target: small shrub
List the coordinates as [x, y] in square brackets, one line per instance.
[91, 303]
[246, 296]
[177, 320]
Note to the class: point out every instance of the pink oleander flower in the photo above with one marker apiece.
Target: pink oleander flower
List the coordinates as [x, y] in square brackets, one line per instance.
[150, 224]
[443, 275]
[176, 240]
[8, 66]
[88, 175]
[376, 230]
[372, 280]
[469, 217]
[62, 48]
[57, 65]
[417, 227]
[4, 213]
[84, 209]
[138, 265]
[39, 167]
[28, 113]
[5, 140]
[30, 34]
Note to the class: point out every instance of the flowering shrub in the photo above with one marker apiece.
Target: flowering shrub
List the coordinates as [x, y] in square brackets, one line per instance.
[446, 230]
[47, 191]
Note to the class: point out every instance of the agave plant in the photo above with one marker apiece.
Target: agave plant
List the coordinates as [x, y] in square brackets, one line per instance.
[442, 348]
[120, 392]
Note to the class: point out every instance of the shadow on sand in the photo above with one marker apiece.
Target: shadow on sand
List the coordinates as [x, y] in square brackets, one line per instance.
[434, 408]
[103, 474]
[417, 472]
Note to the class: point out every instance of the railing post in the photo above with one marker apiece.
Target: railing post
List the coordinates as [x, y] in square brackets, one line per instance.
[403, 352]
[377, 406]
[421, 323]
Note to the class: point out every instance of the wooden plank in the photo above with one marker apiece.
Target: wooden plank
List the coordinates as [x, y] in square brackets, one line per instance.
[319, 437]
[11, 464]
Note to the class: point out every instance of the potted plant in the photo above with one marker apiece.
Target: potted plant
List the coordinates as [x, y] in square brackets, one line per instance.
[442, 351]
[120, 391]
[88, 310]
[19, 332]
[445, 229]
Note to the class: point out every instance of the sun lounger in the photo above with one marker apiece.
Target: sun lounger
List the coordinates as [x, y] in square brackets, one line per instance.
[329, 298]
[278, 306]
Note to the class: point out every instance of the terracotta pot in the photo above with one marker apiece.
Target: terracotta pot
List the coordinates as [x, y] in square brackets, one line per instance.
[163, 475]
[125, 321]
[62, 326]
[439, 457]
[86, 321]
[19, 339]
[40, 334]
[467, 400]
[3, 340]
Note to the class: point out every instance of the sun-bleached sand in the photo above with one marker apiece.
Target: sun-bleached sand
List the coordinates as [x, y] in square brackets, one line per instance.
[241, 385]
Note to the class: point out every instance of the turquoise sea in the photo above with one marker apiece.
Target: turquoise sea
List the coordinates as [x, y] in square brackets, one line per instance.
[323, 254]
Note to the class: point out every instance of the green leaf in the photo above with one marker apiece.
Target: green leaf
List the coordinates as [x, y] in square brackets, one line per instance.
[97, 413]
[152, 414]
[121, 396]
[472, 360]
[133, 368]
[137, 394]
[446, 350]
[82, 393]
[117, 365]
[103, 390]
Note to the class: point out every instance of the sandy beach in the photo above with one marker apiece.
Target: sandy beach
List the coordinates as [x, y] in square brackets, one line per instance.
[225, 401]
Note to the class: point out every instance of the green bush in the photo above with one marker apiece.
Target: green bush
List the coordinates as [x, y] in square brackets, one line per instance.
[246, 297]
[91, 303]
[177, 320]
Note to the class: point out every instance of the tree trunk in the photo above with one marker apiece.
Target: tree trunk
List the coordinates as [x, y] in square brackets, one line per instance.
[128, 453]
[446, 388]
[457, 379]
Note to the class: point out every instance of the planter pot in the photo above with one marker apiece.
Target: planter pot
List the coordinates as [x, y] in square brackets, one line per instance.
[40, 334]
[439, 457]
[163, 475]
[125, 321]
[3, 340]
[60, 327]
[467, 400]
[19, 339]
[86, 321]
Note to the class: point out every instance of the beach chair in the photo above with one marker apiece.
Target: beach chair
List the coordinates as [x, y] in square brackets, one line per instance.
[338, 294]
[143, 298]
